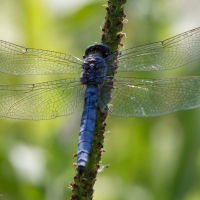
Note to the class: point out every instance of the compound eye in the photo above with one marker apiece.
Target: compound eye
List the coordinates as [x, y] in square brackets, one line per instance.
[106, 54]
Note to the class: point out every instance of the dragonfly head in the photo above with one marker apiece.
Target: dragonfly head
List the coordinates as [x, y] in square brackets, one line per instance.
[100, 49]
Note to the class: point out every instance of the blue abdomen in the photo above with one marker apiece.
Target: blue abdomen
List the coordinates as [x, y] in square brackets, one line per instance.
[88, 121]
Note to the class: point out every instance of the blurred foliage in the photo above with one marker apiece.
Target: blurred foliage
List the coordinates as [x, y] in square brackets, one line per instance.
[150, 158]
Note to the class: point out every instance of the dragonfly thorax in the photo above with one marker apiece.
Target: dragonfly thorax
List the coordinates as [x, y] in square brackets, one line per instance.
[94, 70]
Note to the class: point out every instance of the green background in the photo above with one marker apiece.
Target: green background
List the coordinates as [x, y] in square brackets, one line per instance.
[150, 158]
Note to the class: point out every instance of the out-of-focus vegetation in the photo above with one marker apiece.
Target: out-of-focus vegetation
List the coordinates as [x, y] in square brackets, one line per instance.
[150, 158]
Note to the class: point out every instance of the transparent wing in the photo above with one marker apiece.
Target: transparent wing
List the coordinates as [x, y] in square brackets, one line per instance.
[154, 97]
[19, 60]
[40, 101]
[168, 54]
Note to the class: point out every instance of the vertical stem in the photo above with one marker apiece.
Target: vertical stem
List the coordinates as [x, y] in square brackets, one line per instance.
[82, 187]
[113, 24]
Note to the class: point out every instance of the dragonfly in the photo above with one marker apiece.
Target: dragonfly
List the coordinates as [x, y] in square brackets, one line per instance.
[97, 87]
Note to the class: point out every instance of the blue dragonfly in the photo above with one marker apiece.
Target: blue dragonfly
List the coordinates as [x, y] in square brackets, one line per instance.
[120, 96]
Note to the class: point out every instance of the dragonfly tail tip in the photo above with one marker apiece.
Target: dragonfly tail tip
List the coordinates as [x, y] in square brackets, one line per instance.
[80, 170]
